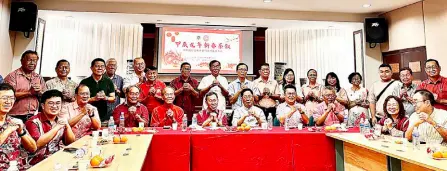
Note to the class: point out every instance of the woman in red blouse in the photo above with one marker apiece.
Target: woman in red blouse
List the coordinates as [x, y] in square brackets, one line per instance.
[395, 122]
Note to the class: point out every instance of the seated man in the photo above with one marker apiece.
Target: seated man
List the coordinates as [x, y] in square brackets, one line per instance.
[167, 113]
[13, 135]
[134, 112]
[430, 122]
[82, 116]
[291, 109]
[329, 111]
[212, 113]
[47, 128]
[248, 114]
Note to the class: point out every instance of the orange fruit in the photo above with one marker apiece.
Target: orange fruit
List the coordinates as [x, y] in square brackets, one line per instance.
[135, 129]
[244, 125]
[239, 128]
[124, 139]
[116, 139]
[437, 154]
[140, 129]
[247, 128]
[96, 161]
[444, 154]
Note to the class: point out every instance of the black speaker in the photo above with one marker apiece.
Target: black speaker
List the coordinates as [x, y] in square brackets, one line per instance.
[376, 30]
[23, 16]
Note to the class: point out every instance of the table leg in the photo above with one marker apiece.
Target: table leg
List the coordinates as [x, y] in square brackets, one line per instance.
[339, 155]
[393, 164]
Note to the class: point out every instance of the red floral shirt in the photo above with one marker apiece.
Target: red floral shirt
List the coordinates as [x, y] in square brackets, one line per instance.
[37, 126]
[129, 119]
[11, 149]
[151, 102]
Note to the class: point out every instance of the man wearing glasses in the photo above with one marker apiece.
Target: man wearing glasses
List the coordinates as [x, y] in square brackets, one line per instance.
[186, 93]
[214, 83]
[28, 85]
[380, 90]
[291, 109]
[138, 76]
[235, 88]
[435, 83]
[134, 112]
[102, 90]
[430, 122]
[248, 114]
[329, 111]
[270, 91]
[407, 90]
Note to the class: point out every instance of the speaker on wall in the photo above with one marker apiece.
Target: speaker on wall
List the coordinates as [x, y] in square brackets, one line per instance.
[23, 16]
[376, 30]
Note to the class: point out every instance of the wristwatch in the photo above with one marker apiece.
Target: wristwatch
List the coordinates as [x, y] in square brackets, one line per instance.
[92, 115]
[23, 133]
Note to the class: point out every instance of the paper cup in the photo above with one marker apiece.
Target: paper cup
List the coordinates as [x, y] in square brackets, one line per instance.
[141, 124]
[300, 126]
[174, 126]
[264, 125]
[95, 134]
[213, 125]
[105, 133]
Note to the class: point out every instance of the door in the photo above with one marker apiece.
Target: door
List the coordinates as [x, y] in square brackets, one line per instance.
[413, 58]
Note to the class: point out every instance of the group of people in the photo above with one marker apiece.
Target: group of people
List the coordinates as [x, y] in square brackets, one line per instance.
[69, 111]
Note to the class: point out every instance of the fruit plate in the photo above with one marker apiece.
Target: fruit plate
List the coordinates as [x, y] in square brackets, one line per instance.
[105, 163]
[436, 158]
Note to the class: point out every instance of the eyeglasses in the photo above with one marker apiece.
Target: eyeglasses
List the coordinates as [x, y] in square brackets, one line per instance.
[134, 94]
[415, 102]
[186, 69]
[54, 103]
[63, 67]
[139, 64]
[431, 68]
[265, 69]
[169, 94]
[247, 96]
[99, 66]
[242, 69]
[212, 100]
[291, 94]
[215, 67]
[111, 65]
[405, 75]
[290, 75]
[84, 94]
[32, 60]
[6, 98]
[330, 95]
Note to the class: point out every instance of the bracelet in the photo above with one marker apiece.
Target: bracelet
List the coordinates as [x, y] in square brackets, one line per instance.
[92, 115]
[23, 133]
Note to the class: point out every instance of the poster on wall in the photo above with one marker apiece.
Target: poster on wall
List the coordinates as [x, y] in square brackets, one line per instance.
[199, 46]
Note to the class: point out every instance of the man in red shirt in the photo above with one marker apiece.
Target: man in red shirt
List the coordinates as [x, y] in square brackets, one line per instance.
[186, 90]
[151, 90]
[134, 112]
[435, 83]
[14, 137]
[212, 113]
[167, 113]
[48, 129]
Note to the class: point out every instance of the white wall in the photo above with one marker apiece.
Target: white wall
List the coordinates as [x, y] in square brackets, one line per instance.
[6, 42]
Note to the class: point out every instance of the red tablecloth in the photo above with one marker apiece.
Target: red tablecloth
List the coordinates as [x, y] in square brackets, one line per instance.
[276, 150]
[169, 150]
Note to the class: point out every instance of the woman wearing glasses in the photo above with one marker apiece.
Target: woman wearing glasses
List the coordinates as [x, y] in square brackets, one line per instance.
[395, 123]
[289, 79]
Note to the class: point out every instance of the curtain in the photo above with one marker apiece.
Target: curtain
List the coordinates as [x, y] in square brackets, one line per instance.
[326, 50]
[80, 42]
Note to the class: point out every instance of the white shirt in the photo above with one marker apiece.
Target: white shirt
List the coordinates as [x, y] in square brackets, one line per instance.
[131, 79]
[426, 130]
[250, 120]
[235, 86]
[207, 81]
[374, 91]
[284, 109]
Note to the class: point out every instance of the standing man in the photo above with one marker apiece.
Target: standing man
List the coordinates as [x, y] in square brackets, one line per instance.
[214, 83]
[61, 82]
[117, 80]
[138, 76]
[270, 91]
[102, 90]
[407, 90]
[380, 90]
[186, 93]
[29, 87]
[150, 94]
[435, 83]
[235, 88]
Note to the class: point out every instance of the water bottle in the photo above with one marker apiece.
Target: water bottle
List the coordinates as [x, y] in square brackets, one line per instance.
[361, 125]
[121, 125]
[111, 125]
[184, 123]
[366, 126]
[415, 137]
[194, 120]
[270, 122]
[286, 124]
[13, 166]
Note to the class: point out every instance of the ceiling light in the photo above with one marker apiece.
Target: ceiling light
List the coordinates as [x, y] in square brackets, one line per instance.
[266, 1]
[366, 5]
